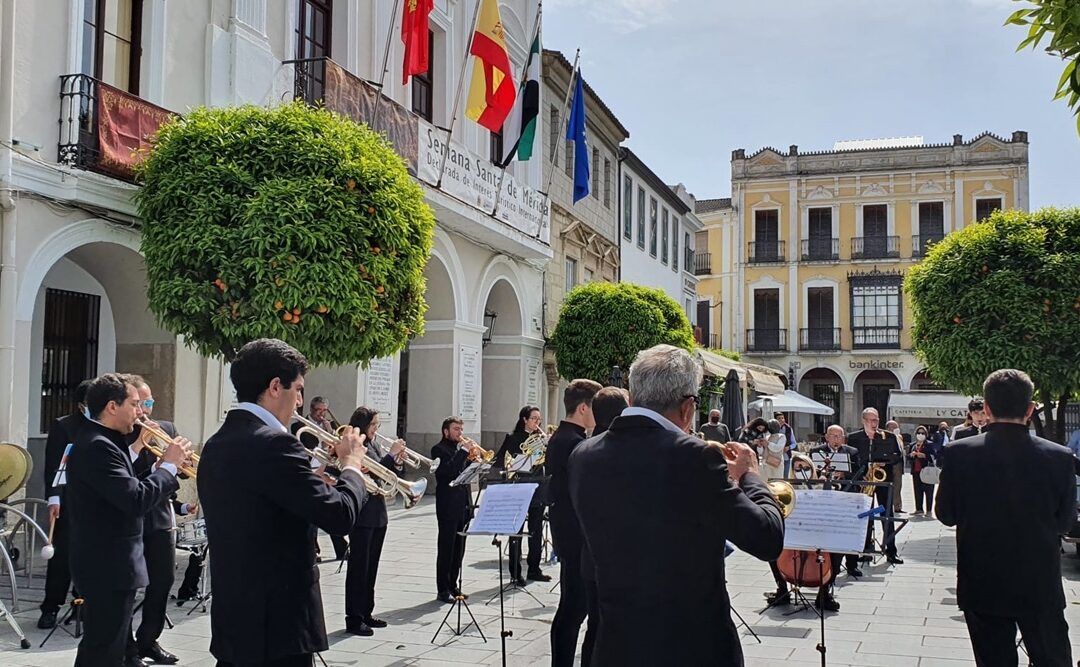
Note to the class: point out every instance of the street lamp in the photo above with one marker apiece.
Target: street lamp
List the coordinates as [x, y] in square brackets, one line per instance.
[489, 326]
[615, 379]
[792, 367]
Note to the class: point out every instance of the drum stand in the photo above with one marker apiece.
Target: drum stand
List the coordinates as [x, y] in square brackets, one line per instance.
[10, 618]
[204, 594]
[74, 612]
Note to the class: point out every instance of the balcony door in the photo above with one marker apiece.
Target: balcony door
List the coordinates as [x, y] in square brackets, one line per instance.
[819, 318]
[112, 42]
[875, 230]
[767, 235]
[931, 225]
[766, 319]
[819, 233]
[313, 29]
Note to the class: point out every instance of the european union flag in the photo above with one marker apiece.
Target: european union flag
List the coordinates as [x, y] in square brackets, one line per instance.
[575, 131]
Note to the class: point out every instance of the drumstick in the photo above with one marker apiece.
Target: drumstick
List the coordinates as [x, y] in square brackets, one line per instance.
[48, 550]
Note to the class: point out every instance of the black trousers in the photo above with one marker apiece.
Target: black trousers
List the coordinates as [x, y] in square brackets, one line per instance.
[573, 608]
[451, 551]
[159, 553]
[341, 545]
[365, 549]
[189, 587]
[106, 628]
[534, 522]
[58, 571]
[592, 606]
[923, 491]
[302, 660]
[881, 495]
[1046, 638]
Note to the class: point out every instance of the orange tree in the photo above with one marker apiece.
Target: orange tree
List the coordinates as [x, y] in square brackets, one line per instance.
[606, 324]
[1004, 293]
[289, 222]
[1059, 21]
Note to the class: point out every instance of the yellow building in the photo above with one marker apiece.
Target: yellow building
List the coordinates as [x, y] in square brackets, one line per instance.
[803, 266]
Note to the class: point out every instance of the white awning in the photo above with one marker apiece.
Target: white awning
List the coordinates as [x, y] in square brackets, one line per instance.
[761, 379]
[928, 406]
[792, 401]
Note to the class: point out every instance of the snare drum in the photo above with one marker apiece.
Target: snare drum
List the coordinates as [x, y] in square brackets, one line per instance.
[191, 534]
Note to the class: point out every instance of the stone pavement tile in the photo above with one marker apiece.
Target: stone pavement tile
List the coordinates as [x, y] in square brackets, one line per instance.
[403, 651]
[864, 659]
[536, 647]
[945, 662]
[941, 612]
[907, 646]
[772, 652]
[455, 654]
[948, 642]
[931, 630]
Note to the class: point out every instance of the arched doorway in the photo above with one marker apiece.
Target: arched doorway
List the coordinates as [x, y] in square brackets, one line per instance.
[501, 395]
[872, 389]
[923, 381]
[825, 386]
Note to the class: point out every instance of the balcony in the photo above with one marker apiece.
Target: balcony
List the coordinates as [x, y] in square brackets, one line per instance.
[768, 252]
[703, 339]
[920, 245]
[823, 249]
[871, 338]
[818, 339]
[702, 263]
[766, 340]
[102, 128]
[875, 247]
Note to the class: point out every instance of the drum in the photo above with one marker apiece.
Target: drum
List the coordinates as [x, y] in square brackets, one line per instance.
[16, 466]
[191, 534]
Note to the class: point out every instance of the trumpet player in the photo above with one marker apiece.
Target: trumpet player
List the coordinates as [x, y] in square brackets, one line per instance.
[107, 505]
[367, 536]
[528, 423]
[452, 506]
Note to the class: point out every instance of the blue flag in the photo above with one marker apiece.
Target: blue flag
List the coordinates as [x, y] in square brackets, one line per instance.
[575, 131]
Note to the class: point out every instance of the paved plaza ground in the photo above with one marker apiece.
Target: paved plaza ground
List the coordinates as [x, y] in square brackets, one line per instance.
[893, 616]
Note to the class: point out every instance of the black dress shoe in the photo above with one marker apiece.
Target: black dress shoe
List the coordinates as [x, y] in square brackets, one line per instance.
[47, 620]
[537, 575]
[459, 594]
[360, 628]
[157, 655]
[827, 603]
[446, 597]
[373, 622]
[518, 581]
[781, 596]
[855, 572]
[866, 559]
[895, 560]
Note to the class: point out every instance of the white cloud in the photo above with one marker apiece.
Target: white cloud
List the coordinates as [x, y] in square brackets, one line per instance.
[622, 16]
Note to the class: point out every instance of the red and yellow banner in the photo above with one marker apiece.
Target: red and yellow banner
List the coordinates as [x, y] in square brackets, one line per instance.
[492, 91]
[125, 126]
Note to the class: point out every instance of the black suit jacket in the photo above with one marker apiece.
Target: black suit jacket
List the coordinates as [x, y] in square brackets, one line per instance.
[263, 505]
[884, 449]
[969, 432]
[61, 434]
[451, 502]
[655, 508]
[373, 514]
[106, 503]
[1010, 496]
[564, 525]
[160, 516]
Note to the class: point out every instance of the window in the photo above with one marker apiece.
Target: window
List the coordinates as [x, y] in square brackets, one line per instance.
[931, 227]
[820, 334]
[876, 220]
[675, 248]
[69, 350]
[766, 244]
[423, 85]
[652, 226]
[594, 188]
[607, 183]
[984, 207]
[664, 235]
[553, 137]
[571, 273]
[688, 259]
[112, 42]
[496, 147]
[766, 335]
[568, 161]
[641, 217]
[588, 276]
[819, 241]
[875, 242]
[876, 314]
[627, 208]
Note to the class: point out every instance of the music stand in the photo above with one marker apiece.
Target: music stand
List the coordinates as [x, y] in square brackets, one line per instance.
[470, 474]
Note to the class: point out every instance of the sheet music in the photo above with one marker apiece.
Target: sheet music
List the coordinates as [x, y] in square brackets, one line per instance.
[827, 520]
[840, 461]
[522, 463]
[469, 474]
[503, 508]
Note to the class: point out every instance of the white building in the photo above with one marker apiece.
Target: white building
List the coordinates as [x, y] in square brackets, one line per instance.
[72, 283]
[658, 229]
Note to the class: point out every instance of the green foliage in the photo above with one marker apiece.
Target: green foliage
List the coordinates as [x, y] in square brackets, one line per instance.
[290, 222]
[727, 354]
[1060, 19]
[1003, 293]
[606, 324]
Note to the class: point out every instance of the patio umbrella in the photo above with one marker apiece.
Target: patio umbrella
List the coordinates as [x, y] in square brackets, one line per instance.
[793, 401]
[732, 414]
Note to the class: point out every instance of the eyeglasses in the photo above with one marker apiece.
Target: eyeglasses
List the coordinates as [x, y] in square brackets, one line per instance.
[693, 396]
[148, 403]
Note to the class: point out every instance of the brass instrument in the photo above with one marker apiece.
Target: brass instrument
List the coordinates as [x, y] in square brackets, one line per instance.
[413, 459]
[388, 484]
[551, 429]
[875, 473]
[476, 452]
[783, 492]
[535, 447]
[163, 441]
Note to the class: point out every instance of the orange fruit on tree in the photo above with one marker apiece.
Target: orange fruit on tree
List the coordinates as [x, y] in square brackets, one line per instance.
[278, 305]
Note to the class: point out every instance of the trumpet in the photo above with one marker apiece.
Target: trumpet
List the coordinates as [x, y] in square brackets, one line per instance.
[783, 492]
[476, 452]
[388, 484]
[163, 440]
[413, 459]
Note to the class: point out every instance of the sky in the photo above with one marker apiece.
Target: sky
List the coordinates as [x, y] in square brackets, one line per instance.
[694, 79]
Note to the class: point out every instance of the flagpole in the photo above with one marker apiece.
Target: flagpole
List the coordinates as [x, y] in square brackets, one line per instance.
[457, 95]
[385, 67]
[521, 92]
[555, 153]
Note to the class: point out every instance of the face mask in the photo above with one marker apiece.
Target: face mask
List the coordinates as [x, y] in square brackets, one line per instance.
[896, 431]
[920, 436]
[85, 411]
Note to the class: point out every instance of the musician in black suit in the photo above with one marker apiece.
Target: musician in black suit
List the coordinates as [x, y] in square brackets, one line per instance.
[656, 507]
[528, 423]
[107, 503]
[977, 415]
[263, 504]
[367, 536]
[62, 432]
[453, 508]
[1011, 496]
[834, 444]
[875, 446]
[565, 531]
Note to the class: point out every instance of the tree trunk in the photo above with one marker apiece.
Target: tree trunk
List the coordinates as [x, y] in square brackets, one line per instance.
[1043, 418]
[1059, 431]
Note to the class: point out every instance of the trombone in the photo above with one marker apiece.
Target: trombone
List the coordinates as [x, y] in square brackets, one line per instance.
[413, 459]
[388, 484]
[163, 441]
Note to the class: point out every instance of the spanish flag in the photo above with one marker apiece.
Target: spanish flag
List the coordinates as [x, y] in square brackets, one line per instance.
[414, 33]
[492, 91]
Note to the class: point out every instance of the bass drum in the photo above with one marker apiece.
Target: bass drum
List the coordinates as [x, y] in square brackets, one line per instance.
[15, 468]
